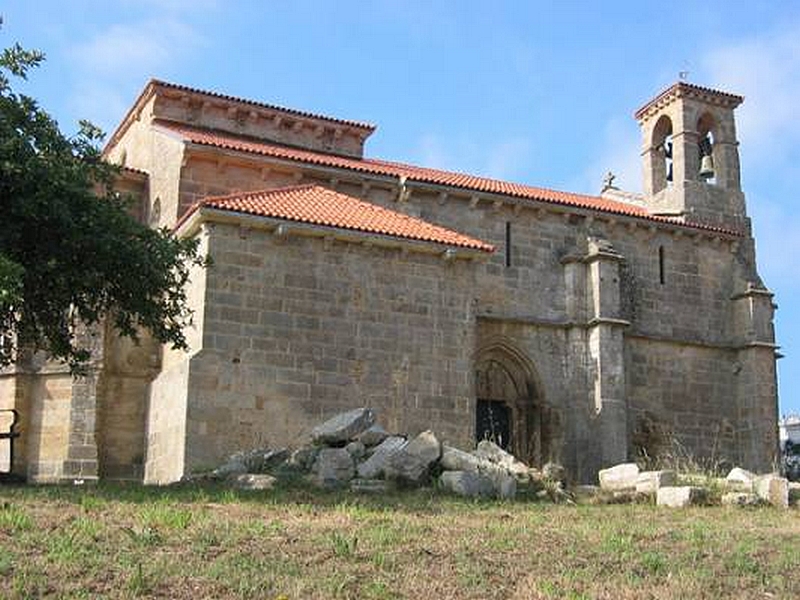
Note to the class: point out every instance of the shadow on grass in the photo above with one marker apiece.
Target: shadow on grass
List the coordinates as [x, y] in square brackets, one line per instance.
[289, 490]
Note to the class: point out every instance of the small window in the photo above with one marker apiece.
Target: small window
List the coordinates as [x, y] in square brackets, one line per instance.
[661, 270]
[508, 243]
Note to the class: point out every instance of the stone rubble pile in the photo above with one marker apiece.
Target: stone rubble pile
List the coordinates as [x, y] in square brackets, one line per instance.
[352, 450]
[739, 488]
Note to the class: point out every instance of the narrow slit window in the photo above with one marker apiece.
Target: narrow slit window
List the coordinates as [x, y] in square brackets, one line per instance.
[508, 243]
[661, 277]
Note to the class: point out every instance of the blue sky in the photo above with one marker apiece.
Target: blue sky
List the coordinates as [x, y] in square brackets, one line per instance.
[530, 91]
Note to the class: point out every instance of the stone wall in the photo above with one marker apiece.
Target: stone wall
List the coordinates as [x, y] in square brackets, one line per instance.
[298, 329]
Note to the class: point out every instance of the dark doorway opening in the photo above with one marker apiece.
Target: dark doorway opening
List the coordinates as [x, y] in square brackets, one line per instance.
[493, 423]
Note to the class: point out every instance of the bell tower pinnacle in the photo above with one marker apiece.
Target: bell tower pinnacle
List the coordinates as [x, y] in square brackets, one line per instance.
[690, 156]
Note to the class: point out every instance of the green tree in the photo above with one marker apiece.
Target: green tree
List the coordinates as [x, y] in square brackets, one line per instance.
[70, 253]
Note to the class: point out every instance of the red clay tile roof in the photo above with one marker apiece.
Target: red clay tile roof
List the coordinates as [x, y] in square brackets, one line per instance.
[227, 141]
[317, 205]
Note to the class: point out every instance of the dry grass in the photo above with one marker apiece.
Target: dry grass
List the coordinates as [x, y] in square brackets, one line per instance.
[208, 542]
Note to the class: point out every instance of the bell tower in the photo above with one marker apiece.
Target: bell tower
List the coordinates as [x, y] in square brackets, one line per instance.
[690, 156]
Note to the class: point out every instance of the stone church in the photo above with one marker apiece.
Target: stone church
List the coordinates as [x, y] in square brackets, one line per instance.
[583, 329]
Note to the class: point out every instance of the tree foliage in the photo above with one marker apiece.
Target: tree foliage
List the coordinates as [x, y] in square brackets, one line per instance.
[70, 253]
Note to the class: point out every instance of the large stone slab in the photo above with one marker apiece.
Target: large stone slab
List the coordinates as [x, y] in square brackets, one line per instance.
[470, 484]
[374, 465]
[373, 436]
[773, 489]
[333, 467]
[680, 496]
[619, 478]
[740, 479]
[343, 427]
[454, 459]
[649, 482]
[740, 499]
[411, 464]
[491, 452]
[369, 486]
[251, 481]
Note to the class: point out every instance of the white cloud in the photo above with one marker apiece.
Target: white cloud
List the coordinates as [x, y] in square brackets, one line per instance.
[500, 159]
[620, 155]
[766, 70]
[121, 58]
[139, 47]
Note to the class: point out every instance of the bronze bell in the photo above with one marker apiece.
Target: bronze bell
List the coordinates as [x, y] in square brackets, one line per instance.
[706, 167]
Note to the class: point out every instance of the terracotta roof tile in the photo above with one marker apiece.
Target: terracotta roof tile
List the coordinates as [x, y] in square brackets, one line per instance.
[228, 141]
[317, 205]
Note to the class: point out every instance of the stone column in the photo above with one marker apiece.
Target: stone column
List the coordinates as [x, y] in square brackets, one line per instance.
[81, 461]
[606, 350]
[757, 389]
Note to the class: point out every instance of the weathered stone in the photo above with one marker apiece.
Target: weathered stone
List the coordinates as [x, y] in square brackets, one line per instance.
[251, 481]
[303, 458]
[373, 436]
[356, 449]
[648, 482]
[343, 427]
[585, 491]
[333, 467]
[263, 460]
[374, 465]
[467, 483]
[233, 465]
[454, 459]
[740, 479]
[680, 496]
[491, 452]
[554, 472]
[740, 499]
[504, 483]
[621, 477]
[794, 493]
[411, 464]
[773, 489]
[369, 486]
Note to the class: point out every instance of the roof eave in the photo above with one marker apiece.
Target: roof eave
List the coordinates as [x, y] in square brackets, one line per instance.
[197, 215]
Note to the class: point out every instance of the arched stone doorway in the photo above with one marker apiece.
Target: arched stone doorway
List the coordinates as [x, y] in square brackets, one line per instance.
[509, 408]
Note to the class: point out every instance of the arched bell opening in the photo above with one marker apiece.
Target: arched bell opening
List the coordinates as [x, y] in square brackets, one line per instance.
[662, 150]
[510, 409]
[705, 149]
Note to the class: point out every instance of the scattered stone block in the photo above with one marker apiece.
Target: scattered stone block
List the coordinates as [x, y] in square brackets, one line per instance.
[491, 452]
[794, 493]
[648, 482]
[454, 459]
[774, 489]
[504, 483]
[252, 481]
[680, 496]
[343, 427]
[467, 483]
[740, 479]
[233, 465]
[303, 458]
[619, 478]
[369, 486]
[741, 499]
[585, 491]
[373, 436]
[411, 464]
[374, 465]
[554, 472]
[334, 467]
[356, 449]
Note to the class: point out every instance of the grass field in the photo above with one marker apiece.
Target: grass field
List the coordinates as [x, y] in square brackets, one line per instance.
[210, 542]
